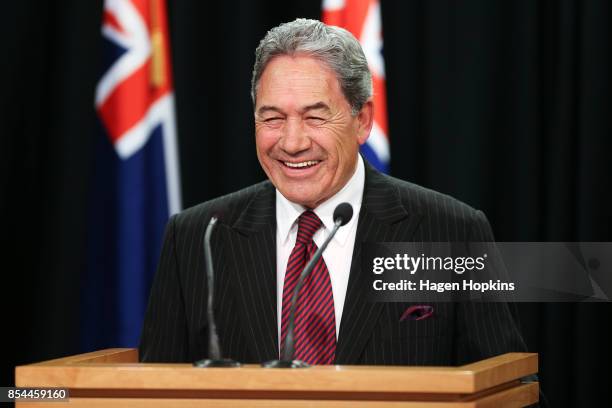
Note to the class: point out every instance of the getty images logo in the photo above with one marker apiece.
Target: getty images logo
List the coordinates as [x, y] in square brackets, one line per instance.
[413, 264]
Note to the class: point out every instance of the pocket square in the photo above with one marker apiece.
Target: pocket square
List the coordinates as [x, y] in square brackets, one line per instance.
[417, 312]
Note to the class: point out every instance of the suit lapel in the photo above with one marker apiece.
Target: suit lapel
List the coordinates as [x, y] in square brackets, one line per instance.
[382, 218]
[252, 254]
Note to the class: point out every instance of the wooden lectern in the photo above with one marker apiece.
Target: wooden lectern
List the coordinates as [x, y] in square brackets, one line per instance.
[114, 378]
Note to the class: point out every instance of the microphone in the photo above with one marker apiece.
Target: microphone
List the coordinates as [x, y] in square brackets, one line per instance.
[214, 349]
[342, 215]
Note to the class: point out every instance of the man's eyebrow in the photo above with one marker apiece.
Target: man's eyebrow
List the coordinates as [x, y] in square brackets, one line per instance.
[268, 108]
[315, 106]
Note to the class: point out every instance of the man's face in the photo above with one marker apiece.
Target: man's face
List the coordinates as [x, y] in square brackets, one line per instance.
[307, 140]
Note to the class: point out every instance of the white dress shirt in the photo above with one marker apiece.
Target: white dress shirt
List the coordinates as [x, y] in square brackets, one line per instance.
[339, 253]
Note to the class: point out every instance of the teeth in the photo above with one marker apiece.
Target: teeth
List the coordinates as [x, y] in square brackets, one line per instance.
[302, 164]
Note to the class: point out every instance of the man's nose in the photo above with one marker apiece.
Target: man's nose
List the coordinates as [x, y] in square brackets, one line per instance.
[294, 138]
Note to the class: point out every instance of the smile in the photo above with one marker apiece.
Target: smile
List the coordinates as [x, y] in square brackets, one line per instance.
[300, 165]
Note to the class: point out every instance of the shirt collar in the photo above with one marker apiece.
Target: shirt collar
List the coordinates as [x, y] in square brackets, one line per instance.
[287, 212]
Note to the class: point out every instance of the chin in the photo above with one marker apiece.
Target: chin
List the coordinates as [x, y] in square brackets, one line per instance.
[297, 197]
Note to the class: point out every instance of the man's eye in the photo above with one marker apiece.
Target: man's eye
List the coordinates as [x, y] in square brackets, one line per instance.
[315, 119]
[273, 122]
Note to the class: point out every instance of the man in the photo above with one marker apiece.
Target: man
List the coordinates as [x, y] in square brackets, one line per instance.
[312, 96]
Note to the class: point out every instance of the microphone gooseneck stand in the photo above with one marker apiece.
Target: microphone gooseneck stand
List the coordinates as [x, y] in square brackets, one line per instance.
[342, 215]
[214, 349]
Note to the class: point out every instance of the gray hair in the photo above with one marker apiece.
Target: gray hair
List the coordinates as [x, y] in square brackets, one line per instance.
[334, 46]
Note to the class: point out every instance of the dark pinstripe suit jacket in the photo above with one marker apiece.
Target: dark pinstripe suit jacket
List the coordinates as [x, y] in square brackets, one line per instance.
[175, 328]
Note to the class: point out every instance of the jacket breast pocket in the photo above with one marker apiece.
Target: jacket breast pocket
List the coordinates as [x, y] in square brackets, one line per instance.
[404, 321]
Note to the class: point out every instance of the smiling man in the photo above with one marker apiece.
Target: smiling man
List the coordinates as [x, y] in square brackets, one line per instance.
[307, 135]
[312, 95]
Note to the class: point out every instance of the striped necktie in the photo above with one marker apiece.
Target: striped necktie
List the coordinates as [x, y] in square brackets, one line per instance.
[315, 319]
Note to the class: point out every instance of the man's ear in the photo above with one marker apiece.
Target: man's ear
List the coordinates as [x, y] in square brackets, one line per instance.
[365, 119]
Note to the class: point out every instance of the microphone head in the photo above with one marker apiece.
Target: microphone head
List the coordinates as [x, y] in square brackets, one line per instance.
[344, 213]
[217, 216]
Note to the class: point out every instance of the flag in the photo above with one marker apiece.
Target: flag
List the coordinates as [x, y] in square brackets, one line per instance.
[362, 18]
[135, 183]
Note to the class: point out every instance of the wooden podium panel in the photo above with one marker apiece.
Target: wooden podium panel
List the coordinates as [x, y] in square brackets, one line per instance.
[114, 378]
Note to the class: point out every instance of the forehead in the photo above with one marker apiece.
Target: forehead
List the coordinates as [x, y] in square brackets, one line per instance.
[302, 78]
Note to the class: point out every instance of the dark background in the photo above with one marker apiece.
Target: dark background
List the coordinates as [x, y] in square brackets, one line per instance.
[502, 104]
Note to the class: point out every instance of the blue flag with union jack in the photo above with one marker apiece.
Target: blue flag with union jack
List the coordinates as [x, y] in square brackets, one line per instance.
[363, 19]
[135, 184]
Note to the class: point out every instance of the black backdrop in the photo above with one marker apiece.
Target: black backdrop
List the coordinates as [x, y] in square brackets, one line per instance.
[503, 104]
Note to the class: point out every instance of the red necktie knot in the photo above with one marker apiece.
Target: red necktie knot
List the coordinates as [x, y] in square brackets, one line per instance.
[308, 224]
